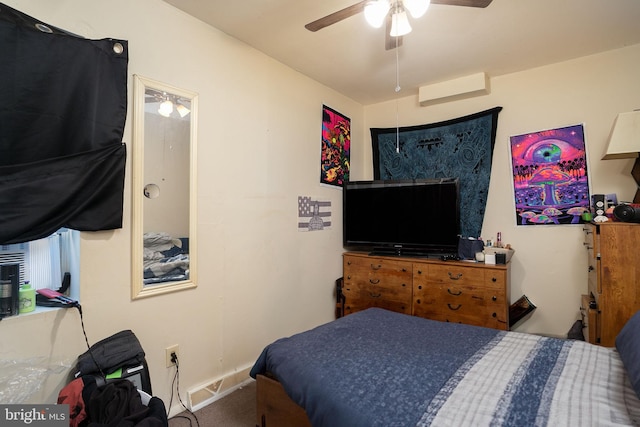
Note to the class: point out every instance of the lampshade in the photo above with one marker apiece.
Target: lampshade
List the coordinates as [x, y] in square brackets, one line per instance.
[182, 110]
[166, 108]
[416, 8]
[624, 140]
[400, 24]
[375, 11]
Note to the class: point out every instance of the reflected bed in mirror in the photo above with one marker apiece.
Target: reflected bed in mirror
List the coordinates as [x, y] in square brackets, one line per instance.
[164, 188]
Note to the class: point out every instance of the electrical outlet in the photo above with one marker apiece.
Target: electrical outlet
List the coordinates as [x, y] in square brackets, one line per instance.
[168, 351]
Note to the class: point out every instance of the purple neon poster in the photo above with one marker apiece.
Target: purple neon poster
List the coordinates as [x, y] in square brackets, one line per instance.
[550, 179]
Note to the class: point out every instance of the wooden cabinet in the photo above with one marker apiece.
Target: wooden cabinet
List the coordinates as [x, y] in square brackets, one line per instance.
[450, 291]
[613, 278]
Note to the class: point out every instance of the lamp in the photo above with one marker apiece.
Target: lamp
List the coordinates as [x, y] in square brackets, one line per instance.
[624, 143]
[375, 12]
[166, 108]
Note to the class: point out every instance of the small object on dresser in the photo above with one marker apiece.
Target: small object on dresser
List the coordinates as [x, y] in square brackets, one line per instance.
[508, 252]
[468, 247]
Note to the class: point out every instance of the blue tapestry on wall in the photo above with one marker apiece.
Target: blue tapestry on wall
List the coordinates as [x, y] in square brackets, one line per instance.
[458, 148]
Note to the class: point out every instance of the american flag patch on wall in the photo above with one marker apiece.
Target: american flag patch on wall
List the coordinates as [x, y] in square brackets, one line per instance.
[313, 215]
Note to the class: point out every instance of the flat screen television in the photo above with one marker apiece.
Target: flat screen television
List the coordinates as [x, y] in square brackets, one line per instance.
[402, 217]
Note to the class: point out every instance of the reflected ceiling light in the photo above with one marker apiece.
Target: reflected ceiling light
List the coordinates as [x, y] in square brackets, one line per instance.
[166, 108]
[182, 110]
[375, 12]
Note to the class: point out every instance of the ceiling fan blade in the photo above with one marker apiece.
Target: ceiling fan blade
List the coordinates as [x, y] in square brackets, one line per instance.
[390, 42]
[468, 3]
[334, 17]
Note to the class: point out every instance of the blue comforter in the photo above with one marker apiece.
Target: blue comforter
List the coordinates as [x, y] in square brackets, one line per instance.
[379, 368]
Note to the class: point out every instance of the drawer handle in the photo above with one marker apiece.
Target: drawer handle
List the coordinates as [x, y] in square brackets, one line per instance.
[419, 271]
[376, 267]
[456, 308]
[454, 293]
[493, 279]
[372, 295]
[452, 277]
[374, 282]
[494, 298]
[591, 268]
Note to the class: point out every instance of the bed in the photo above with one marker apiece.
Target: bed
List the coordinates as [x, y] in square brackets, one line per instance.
[381, 368]
[166, 258]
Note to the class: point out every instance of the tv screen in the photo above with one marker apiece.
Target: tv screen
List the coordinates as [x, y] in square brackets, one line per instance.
[416, 217]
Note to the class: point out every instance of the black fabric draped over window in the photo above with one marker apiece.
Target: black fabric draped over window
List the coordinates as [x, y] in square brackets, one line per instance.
[63, 105]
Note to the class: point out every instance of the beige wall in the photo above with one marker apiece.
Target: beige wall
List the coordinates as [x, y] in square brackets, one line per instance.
[259, 149]
[550, 263]
[259, 135]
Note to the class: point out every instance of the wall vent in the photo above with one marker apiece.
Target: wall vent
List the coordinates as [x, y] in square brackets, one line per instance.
[213, 390]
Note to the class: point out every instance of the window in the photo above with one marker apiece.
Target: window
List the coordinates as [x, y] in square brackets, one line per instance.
[44, 262]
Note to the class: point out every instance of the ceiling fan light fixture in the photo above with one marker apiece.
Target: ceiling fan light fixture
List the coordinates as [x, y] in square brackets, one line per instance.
[375, 11]
[399, 24]
[166, 108]
[182, 110]
[416, 8]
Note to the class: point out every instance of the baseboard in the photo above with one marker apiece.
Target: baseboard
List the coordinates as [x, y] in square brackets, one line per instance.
[210, 391]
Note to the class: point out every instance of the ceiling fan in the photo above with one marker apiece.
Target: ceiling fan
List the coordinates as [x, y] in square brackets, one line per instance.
[391, 12]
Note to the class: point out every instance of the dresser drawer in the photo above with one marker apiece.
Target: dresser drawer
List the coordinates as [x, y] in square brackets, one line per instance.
[455, 274]
[376, 271]
[472, 304]
[591, 243]
[377, 282]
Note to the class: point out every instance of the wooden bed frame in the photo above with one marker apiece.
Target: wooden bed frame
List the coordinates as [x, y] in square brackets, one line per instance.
[275, 408]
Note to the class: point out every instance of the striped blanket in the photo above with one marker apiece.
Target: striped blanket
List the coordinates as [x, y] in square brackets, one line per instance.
[378, 368]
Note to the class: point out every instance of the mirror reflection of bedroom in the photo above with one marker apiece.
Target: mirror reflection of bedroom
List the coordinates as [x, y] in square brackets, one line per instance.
[162, 166]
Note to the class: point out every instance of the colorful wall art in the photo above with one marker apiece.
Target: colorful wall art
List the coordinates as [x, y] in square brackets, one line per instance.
[313, 214]
[336, 143]
[550, 180]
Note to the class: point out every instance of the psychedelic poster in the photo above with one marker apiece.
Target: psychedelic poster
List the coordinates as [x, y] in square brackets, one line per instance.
[550, 180]
[336, 143]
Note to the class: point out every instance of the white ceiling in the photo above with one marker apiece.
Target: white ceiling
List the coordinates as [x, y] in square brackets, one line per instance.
[447, 43]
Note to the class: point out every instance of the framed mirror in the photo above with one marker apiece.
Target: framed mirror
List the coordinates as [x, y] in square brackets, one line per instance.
[164, 188]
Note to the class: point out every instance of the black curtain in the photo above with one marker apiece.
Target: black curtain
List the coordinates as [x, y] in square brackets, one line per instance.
[63, 104]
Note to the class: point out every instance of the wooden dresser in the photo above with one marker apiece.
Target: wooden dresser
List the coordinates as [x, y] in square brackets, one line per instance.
[451, 291]
[614, 279]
